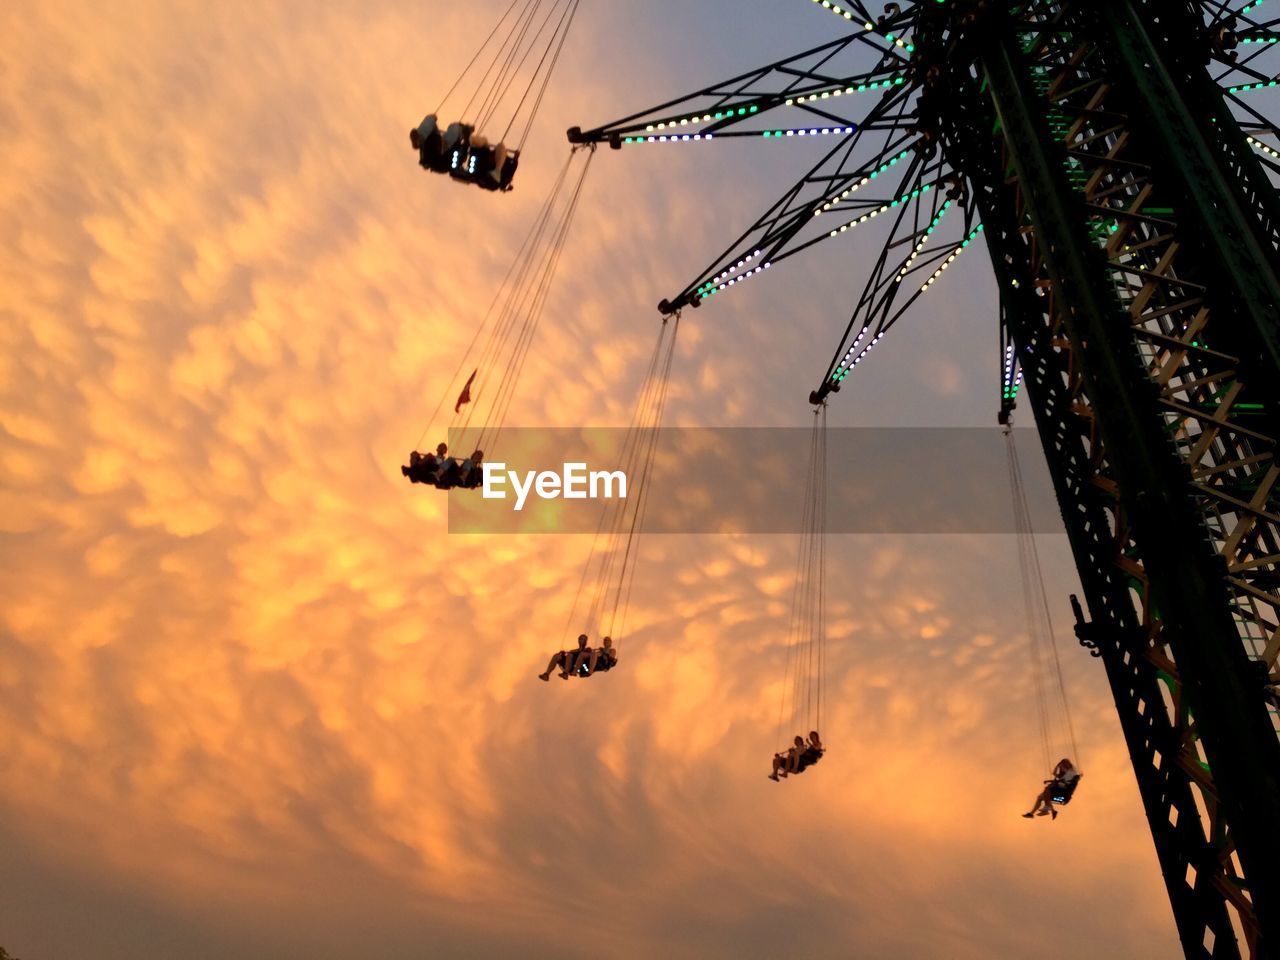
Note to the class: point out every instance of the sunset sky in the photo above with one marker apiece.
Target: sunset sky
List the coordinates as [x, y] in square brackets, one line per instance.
[255, 701]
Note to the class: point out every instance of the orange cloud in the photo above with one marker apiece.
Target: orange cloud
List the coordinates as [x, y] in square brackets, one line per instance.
[248, 680]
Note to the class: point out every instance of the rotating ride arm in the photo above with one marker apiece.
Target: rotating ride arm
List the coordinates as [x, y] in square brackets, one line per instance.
[813, 82]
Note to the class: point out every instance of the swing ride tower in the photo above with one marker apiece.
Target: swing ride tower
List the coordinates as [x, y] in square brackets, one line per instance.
[1125, 192]
[1134, 237]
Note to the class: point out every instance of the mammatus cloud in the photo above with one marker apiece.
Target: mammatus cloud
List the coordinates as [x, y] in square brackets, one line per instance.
[253, 698]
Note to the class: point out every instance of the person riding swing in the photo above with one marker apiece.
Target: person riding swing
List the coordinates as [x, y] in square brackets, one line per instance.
[799, 757]
[423, 466]
[565, 660]
[596, 660]
[1059, 790]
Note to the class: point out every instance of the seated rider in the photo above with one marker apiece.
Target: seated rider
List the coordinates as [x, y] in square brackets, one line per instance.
[565, 660]
[429, 142]
[812, 752]
[471, 473]
[448, 473]
[595, 660]
[789, 762]
[414, 468]
[1064, 777]
[422, 466]
[800, 757]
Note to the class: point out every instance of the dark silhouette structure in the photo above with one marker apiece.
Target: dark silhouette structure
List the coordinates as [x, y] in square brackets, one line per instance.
[1113, 155]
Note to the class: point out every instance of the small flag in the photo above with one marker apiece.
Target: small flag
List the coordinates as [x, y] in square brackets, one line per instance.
[465, 395]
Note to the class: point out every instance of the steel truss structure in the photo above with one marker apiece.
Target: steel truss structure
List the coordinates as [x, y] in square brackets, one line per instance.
[1109, 154]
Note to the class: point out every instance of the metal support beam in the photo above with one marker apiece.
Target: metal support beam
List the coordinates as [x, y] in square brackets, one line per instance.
[1186, 576]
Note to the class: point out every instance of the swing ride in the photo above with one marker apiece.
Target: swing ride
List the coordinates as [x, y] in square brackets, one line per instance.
[1053, 708]
[470, 157]
[801, 703]
[1112, 161]
[500, 343]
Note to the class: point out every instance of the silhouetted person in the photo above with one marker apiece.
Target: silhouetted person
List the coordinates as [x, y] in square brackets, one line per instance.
[811, 753]
[448, 471]
[423, 466]
[789, 762]
[471, 473]
[596, 659]
[799, 757]
[565, 660]
[1064, 777]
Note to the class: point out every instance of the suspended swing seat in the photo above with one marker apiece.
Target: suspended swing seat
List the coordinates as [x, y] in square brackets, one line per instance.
[808, 759]
[806, 634]
[447, 473]
[1061, 791]
[1053, 707]
[602, 665]
[530, 33]
[464, 155]
[440, 151]
[488, 167]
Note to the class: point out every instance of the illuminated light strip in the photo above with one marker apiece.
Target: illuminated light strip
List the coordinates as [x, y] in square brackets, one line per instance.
[846, 360]
[1011, 392]
[704, 117]
[1011, 384]
[848, 15]
[847, 364]
[841, 91]
[714, 284]
[861, 183]
[734, 269]
[1249, 6]
[670, 138]
[853, 356]
[951, 259]
[906, 267]
[1268, 38]
[886, 207]
[807, 131]
[708, 290]
[1247, 87]
[1259, 145]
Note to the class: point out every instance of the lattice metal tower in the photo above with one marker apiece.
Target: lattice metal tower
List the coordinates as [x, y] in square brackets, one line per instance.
[1108, 152]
